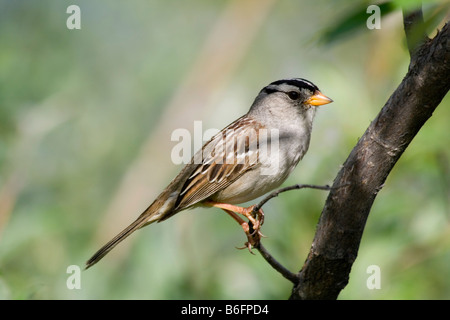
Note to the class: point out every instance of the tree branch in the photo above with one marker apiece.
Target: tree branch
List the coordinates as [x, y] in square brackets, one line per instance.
[294, 278]
[414, 29]
[336, 242]
[277, 192]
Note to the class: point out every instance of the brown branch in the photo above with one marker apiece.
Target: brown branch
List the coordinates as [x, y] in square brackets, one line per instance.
[294, 187]
[294, 278]
[336, 242]
[414, 29]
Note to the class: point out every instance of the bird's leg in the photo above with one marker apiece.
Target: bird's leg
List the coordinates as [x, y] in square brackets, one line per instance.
[252, 228]
[239, 220]
[247, 212]
[252, 241]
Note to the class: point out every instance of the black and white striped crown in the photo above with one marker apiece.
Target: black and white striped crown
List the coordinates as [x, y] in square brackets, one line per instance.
[299, 83]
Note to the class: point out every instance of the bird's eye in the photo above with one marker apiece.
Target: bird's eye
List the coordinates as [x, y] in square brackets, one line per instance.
[293, 95]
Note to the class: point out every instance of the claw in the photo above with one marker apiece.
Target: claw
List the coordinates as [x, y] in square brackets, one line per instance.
[253, 240]
[262, 235]
[261, 218]
[248, 246]
[255, 231]
[251, 228]
[259, 215]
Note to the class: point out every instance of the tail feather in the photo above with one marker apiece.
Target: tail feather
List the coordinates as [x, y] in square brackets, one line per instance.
[162, 208]
[137, 224]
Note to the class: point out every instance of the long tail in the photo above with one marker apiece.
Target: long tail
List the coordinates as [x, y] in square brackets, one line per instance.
[162, 208]
[141, 221]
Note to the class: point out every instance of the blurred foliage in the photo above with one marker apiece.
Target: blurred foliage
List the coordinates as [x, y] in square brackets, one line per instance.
[76, 107]
[352, 20]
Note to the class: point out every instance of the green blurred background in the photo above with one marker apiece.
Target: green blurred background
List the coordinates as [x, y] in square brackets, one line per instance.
[86, 118]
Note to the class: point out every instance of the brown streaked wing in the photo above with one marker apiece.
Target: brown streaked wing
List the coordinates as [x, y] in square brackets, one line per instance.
[215, 174]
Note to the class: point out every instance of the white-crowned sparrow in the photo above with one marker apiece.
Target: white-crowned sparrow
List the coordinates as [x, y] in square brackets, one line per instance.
[248, 158]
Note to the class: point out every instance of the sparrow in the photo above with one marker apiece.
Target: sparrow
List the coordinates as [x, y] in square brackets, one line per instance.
[250, 157]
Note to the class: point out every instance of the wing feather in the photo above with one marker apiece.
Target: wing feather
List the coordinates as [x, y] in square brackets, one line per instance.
[218, 169]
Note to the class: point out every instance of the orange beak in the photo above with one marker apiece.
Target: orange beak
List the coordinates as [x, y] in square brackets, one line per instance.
[318, 99]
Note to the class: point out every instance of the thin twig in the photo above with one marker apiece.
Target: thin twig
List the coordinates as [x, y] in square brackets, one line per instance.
[294, 187]
[413, 24]
[293, 277]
